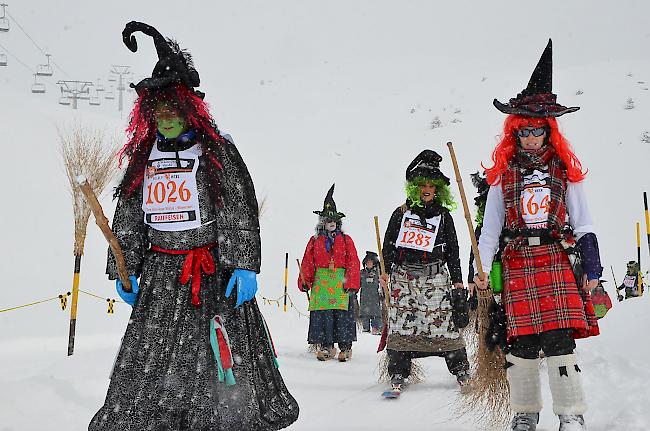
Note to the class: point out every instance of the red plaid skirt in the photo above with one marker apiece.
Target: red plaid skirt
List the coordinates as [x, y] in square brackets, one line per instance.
[540, 294]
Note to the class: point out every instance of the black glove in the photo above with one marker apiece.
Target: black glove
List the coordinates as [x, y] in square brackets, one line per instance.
[496, 333]
[460, 308]
[473, 300]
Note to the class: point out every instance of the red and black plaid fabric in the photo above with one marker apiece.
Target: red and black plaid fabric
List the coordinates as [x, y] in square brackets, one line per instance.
[512, 185]
[540, 291]
[540, 294]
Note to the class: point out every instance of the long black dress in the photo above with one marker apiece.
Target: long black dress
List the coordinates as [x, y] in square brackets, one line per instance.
[165, 375]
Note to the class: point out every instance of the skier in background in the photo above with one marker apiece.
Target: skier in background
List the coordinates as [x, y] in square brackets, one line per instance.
[631, 283]
[330, 271]
[371, 295]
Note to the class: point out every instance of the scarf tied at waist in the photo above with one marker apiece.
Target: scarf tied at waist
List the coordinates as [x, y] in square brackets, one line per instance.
[198, 261]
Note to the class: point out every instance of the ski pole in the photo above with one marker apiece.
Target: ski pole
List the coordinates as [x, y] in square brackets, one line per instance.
[302, 278]
[618, 295]
[286, 279]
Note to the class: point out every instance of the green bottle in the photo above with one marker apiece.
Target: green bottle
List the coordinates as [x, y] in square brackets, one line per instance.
[496, 277]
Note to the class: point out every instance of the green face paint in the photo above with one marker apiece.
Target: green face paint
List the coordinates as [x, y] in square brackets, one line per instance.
[169, 121]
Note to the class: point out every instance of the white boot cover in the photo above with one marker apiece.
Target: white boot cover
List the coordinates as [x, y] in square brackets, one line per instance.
[566, 386]
[525, 387]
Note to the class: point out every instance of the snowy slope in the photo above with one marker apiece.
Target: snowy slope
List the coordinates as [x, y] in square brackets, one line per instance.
[316, 93]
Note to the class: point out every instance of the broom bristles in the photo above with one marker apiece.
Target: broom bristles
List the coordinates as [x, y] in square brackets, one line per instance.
[487, 395]
[89, 153]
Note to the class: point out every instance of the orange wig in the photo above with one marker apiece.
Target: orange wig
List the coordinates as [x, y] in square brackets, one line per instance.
[506, 148]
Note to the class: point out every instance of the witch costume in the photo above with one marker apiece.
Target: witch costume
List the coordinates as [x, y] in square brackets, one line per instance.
[532, 194]
[421, 255]
[330, 272]
[194, 356]
[370, 298]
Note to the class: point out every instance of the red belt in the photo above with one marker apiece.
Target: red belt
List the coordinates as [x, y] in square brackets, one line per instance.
[198, 261]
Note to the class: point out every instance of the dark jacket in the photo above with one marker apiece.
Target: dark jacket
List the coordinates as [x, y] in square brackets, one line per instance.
[445, 248]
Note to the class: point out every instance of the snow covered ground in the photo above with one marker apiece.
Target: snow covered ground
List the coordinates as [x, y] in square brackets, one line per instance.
[316, 93]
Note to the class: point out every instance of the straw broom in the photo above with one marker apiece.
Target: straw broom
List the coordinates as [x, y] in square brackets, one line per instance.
[487, 395]
[85, 152]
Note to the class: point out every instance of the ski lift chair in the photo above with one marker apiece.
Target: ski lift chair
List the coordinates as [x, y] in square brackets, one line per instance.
[45, 69]
[109, 95]
[3, 59]
[99, 86]
[38, 87]
[4, 24]
[95, 101]
[64, 100]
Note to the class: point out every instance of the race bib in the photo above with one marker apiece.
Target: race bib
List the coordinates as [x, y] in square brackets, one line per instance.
[629, 281]
[170, 199]
[535, 206]
[412, 234]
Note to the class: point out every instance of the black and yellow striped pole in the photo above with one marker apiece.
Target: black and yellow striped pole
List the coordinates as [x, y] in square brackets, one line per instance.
[647, 218]
[638, 259]
[73, 307]
[286, 279]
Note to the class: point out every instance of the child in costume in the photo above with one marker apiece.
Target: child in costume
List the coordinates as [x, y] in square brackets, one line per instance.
[196, 354]
[632, 282]
[428, 299]
[370, 295]
[330, 272]
[535, 184]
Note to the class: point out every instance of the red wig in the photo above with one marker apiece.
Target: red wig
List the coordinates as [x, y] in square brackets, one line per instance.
[142, 131]
[506, 148]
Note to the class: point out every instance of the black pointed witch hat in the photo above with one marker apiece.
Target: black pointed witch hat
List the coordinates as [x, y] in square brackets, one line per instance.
[174, 64]
[537, 99]
[370, 255]
[426, 164]
[329, 207]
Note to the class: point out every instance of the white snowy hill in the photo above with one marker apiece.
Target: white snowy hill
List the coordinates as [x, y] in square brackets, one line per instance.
[315, 93]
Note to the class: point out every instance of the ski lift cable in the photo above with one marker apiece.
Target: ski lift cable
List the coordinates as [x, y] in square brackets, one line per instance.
[36, 44]
[18, 60]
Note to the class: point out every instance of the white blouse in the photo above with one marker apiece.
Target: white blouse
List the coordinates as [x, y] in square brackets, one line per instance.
[495, 216]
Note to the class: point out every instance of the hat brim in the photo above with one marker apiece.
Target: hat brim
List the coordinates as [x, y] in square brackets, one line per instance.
[161, 83]
[555, 110]
[426, 173]
[336, 216]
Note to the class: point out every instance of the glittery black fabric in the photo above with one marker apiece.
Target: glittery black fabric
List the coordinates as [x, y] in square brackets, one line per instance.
[165, 375]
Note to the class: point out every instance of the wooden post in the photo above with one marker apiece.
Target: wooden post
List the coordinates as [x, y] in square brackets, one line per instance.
[73, 307]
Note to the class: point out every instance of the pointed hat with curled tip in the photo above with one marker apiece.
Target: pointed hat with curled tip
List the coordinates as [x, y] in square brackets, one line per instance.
[329, 207]
[537, 99]
[174, 64]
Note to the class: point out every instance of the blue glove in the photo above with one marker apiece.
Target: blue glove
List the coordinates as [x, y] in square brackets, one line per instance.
[246, 281]
[128, 297]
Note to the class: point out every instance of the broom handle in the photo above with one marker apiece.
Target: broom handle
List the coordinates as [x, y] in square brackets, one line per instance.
[382, 266]
[102, 222]
[468, 218]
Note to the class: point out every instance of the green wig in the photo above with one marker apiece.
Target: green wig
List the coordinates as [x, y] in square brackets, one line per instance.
[443, 193]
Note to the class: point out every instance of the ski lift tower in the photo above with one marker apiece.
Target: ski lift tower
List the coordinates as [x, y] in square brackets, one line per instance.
[4, 21]
[120, 71]
[76, 90]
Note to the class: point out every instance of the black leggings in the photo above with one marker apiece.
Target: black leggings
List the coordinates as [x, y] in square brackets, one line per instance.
[553, 343]
[400, 362]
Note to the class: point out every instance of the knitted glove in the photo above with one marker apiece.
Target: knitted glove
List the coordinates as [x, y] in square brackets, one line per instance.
[460, 308]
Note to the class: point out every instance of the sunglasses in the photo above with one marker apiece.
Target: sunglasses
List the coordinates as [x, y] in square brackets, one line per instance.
[536, 132]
